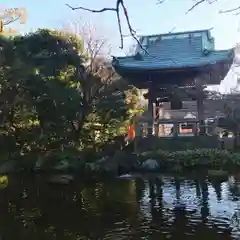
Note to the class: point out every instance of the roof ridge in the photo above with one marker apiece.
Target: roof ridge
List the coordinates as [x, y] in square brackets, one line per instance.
[223, 50]
[176, 33]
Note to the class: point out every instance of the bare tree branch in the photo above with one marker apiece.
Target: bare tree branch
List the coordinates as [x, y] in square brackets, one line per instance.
[97, 75]
[160, 1]
[92, 10]
[10, 15]
[120, 5]
[235, 10]
[231, 10]
[195, 5]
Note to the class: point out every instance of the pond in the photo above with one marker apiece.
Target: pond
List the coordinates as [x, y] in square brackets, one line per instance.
[144, 207]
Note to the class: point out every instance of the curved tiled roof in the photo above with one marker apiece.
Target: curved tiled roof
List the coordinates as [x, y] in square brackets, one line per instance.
[174, 51]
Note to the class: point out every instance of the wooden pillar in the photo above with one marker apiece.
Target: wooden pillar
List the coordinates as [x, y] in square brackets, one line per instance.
[175, 129]
[195, 129]
[200, 105]
[151, 110]
[161, 116]
[156, 118]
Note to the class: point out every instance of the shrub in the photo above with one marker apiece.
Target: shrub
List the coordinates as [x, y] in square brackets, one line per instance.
[195, 159]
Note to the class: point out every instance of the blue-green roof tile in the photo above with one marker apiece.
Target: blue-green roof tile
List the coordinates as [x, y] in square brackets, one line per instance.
[173, 51]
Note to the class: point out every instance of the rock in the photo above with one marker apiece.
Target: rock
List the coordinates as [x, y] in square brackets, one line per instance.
[62, 165]
[107, 164]
[92, 166]
[103, 159]
[120, 163]
[67, 165]
[61, 179]
[8, 167]
[125, 176]
[150, 164]
[127, 162]
[104, 164]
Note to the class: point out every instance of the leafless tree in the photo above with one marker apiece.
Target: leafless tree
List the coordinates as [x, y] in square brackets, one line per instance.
[97, 75]
[10, 15]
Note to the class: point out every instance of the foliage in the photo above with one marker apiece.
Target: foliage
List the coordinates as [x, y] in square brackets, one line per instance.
[231, 122]
[168, 161]
[52, 100]
[3, 182]
[197, 159]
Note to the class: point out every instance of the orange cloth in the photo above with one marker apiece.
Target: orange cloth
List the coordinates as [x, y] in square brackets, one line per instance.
[131, 131]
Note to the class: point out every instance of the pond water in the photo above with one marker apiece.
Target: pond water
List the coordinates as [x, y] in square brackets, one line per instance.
[150, 207]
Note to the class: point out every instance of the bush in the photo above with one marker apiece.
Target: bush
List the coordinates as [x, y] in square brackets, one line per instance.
[195, 159]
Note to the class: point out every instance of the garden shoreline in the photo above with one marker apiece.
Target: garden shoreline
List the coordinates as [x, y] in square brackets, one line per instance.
[188, 161]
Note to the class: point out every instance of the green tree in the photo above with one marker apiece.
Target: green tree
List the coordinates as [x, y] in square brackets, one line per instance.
[231, 122]
[38, 90]
[54, 95]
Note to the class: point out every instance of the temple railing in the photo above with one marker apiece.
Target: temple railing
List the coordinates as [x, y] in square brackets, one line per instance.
[173, 128]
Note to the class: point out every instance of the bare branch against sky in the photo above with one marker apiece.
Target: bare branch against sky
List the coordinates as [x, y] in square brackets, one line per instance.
[235, 10]
[120, 5]
[10, 15]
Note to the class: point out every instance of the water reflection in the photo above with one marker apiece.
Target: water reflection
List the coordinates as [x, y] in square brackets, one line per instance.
[158, 207]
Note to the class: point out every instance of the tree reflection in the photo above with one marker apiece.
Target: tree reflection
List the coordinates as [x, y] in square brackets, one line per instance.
[198, 190]
[234, 187]
[179, 212]
[217, 187]
[30, 208]
[140, 187]
[180, 223]
[40, 209]
[156, 203]
[205, 194]
[178, 190]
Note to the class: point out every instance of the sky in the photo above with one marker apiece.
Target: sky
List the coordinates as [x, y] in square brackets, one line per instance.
[146, 16]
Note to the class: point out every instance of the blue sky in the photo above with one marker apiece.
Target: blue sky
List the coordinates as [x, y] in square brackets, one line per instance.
[146, 17]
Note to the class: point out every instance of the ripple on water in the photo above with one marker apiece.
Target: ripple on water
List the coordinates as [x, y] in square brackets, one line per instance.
[191, 207]
[163, 208]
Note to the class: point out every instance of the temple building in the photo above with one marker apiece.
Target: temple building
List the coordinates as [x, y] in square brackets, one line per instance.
[174, 68]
